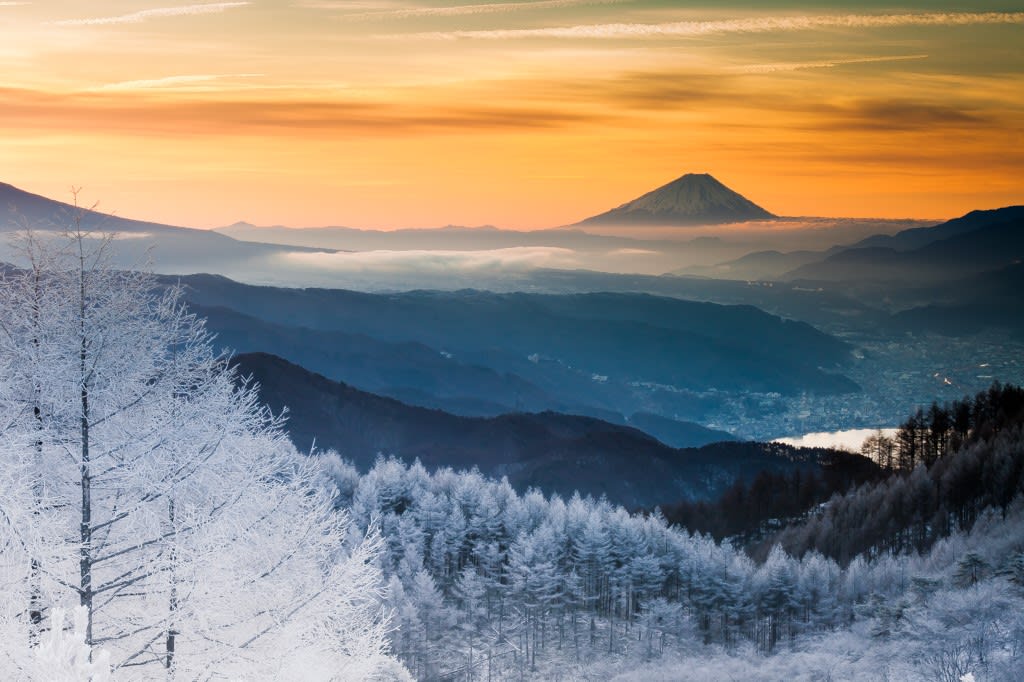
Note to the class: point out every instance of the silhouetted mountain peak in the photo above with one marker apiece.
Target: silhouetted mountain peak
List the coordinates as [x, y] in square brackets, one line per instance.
[19, 208]
[691, 199]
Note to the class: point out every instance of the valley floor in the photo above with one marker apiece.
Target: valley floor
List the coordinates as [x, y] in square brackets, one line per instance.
[892, 373]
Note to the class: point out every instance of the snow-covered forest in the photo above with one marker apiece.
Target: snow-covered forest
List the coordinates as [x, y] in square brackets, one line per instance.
[485, 583]
[156, 523]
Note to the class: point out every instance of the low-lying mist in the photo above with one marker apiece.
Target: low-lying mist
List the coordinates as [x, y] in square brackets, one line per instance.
[453, 258]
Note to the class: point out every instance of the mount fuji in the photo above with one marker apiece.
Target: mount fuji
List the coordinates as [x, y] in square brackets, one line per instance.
[693, 199]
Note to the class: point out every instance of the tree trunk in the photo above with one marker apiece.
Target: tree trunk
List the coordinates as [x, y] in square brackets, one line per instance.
[85, 528]
[172, 605]
[35, 601]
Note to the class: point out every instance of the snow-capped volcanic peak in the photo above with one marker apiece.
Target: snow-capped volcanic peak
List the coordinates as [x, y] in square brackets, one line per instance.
[693, 199]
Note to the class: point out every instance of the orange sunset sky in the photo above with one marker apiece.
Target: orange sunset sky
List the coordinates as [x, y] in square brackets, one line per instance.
[395, 113]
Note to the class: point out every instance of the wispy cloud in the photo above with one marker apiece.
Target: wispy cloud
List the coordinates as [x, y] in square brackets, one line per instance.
[125, 111]
[469, 10]
[155, 13]
[632, 252]
[684, 29]
[170, 81]
[350, 5]
[657, 90]
[901, 114]
[14, 4]
[827, 64]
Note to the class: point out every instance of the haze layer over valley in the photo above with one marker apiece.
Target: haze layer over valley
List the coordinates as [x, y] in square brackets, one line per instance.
[693, 222]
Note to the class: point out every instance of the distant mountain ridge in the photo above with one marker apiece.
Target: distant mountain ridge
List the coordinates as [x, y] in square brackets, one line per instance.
[758, 265]
[565, 343]
[20, 209]
[977, 242]
[918, 237]
[991, 300]
[692, 199]
[170, 248]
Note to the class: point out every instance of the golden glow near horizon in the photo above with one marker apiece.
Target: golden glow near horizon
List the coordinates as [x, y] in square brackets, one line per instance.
[393, 113]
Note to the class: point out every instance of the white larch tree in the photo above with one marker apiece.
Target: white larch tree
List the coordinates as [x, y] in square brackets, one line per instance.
[144, 484]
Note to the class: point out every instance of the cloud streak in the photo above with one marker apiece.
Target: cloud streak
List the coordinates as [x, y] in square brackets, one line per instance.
[470, 10]
[170, 81]
[155, 13]
[350, 5]
[827, 64]
[696, 29]
[130, 110]
[901, 114]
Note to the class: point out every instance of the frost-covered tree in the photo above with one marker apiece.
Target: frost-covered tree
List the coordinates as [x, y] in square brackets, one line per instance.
[140, 481]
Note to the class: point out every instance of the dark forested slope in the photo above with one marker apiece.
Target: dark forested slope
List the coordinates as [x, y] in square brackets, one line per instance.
[555, 452]
[948, 464]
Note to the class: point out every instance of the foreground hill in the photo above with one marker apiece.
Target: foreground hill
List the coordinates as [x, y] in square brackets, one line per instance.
[693, 199]
[554, 452]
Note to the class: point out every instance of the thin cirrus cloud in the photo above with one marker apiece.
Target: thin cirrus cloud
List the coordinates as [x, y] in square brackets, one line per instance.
[350, 5]
[825, 64]
[470, 10]
[155, 13]
[683, 29]
[170, 82]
